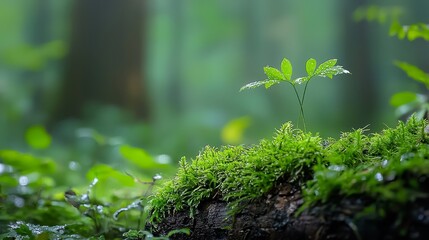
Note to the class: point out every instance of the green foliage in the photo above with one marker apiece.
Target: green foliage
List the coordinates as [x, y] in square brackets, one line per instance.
[411, 102]
[33, 206]
[275, 76]
[139, 157]
[406, 103]
[412, 32]
[414, 72]
[36, 58]
[37, 137]
[377, 13]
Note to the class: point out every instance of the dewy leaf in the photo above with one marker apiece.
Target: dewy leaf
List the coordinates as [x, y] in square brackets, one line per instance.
[273, 73]
[300, 80]
[325, 66]
[286, 68]
[270, 83]
[310, 66]
[402, 98]
[266, 83]
[104, 172]
[335, 70]
[414, 72]
[139, 157]
[37, 137]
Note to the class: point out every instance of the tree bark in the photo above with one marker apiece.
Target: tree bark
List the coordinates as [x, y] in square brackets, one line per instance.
[275, 217]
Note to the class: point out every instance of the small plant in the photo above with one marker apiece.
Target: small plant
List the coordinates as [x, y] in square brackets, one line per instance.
[275, 76]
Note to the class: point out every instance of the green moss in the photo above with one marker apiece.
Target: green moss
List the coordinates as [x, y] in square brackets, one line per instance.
[385, 167]
[357, 164]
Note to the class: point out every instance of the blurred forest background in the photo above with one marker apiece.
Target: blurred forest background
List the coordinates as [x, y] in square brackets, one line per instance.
[164, 75]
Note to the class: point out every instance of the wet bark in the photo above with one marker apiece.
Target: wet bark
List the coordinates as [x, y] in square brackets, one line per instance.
[275, 217]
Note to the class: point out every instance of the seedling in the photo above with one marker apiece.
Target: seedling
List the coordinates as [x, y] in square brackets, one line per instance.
[275, 76]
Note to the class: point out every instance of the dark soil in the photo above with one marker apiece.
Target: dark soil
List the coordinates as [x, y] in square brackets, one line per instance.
[274, 217]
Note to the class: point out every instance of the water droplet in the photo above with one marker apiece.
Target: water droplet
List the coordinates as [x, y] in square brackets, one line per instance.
[336, 168]
[379, 177]
[84, 198]
[163, 159]
[384, 163]
[94, 181]
[23, 181]
[74, 165]
[19, 202]
[157, 177]
[406, 156]
[100, 209]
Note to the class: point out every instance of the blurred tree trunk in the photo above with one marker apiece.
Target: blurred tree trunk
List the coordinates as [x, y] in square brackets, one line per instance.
[360, 91]
[104, 64]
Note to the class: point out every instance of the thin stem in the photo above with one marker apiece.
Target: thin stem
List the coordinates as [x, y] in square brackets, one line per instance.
[301, 114]
[302, 100]
[305, 90]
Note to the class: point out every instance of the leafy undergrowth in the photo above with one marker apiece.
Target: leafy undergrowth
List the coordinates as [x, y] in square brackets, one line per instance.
[389, 169]
[40, 200]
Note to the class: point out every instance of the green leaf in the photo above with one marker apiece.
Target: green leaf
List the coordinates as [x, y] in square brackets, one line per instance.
[396, 29]
[273, 73]
[414, 72]
[139, 157]
[402, 98]
[37, 137]
[325, 66]
[266, 83]
[310, 66]
[8, 181]
[104, 172]
[270, 83]
[300, 80]
[418, 30]
[286, 68]
[335, 70]
[26, 163]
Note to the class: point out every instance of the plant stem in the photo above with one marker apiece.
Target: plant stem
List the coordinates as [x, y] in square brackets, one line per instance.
[302, 101]
[301, 114]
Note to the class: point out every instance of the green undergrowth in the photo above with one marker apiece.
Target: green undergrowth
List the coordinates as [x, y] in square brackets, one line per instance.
[390, 166]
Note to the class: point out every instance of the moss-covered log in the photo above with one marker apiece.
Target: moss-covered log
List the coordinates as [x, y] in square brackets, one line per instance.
[298, 186]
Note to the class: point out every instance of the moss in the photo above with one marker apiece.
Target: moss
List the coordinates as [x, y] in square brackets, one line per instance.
[384, 167]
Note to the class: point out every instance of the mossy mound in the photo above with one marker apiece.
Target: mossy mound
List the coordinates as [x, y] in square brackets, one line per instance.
[377, 174]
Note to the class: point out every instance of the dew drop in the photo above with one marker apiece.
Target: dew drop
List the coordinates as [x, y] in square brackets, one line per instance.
[336, 168]
[379, 177]
[19, 202]
[74, 165]
[157, 177]
[163, 159]
[100, 209]
[23, 181]
[406, 156]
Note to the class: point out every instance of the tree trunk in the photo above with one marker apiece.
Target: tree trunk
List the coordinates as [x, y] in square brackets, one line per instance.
[104, 64]
[360, 91]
